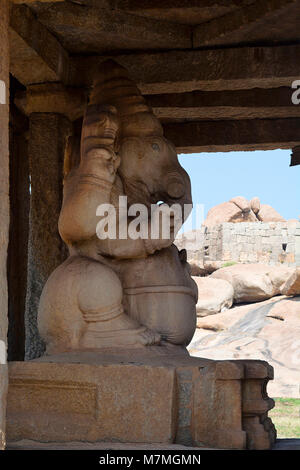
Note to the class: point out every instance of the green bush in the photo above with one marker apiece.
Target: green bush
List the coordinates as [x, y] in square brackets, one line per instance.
[228, 263]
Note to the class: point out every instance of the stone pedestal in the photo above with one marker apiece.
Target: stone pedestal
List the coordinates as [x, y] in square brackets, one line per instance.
[141, 398]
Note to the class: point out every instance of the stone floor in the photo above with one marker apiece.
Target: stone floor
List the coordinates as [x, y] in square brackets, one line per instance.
[33, 445]
[281, 444]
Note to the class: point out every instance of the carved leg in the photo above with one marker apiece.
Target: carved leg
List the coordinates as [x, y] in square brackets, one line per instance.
[60, 321]
[81, 308]
[100, 300]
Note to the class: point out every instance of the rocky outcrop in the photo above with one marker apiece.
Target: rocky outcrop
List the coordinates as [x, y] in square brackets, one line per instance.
[214, 296]
[269, 330]
[239, 209]
[255, 204]
[292, 284]
[267, 213]
[242, 203]
[254, 282]
[230, 212]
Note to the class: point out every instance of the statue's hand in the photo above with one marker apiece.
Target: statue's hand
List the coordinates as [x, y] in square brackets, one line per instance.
[98, 143]
[163, 224]
[101, 164]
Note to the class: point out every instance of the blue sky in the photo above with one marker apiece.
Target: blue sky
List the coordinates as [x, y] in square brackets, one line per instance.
[217, 177]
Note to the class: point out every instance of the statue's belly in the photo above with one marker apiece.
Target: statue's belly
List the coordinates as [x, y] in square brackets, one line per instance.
[158, 292]
[168, 310]
[161, 295]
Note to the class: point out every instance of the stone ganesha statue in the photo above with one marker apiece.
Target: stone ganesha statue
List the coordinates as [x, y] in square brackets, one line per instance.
[119, 292]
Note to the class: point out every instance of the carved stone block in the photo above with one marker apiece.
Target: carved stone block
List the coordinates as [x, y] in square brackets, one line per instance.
[158, 397]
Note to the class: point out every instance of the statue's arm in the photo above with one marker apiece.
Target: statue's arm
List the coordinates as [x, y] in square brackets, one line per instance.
[85, 189]
[91, 183]
[126, 248]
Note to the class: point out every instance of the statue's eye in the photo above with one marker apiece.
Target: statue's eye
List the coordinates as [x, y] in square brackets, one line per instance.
[155, 147]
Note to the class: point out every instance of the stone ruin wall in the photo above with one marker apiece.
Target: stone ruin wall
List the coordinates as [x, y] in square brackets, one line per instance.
[272, 243]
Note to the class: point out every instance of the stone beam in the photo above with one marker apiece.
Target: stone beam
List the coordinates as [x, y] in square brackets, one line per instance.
[223, 136]
[94, 28]
[218, 29]
[169, 4]
[31, 1]
[52, 98]
[36, 55]
[218, 69]
[238, 104]
[138, 5]
[4, 208]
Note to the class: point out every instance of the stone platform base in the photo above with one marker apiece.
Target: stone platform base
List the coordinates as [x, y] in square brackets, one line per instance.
[157, 398]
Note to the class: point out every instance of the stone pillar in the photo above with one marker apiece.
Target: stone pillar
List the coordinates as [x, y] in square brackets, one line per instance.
[4, 206]
[47, 139]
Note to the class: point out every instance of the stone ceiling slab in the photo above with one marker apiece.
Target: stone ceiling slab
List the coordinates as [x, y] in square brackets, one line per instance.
[85, 29]
[218, 69]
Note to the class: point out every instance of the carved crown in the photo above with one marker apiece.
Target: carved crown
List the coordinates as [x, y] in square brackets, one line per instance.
[113, 87]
